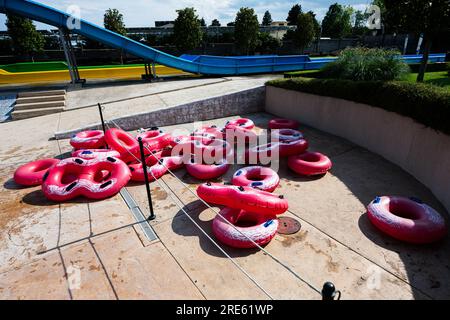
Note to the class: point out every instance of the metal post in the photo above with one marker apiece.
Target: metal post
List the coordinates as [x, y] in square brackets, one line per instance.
[147, 185]
[329, 292]
[62, 38]
[101, 118]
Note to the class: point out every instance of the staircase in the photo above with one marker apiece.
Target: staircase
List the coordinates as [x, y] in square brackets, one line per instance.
[38, 103]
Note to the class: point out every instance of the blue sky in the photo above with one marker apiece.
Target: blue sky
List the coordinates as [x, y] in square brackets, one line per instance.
[139, 13]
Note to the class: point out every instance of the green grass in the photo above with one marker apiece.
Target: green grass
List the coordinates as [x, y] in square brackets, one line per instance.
[440, 79]
[303, 73]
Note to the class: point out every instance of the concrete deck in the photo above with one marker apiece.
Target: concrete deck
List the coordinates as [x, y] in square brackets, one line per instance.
[46, 247]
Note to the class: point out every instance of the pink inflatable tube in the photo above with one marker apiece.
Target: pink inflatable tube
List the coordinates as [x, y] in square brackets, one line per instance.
[283, 124]
[95, 153]
[89, 139]
[95, 178]
[240, 123]
[257, 177]
[207, 171]
[245, 198]
[155, 139]
[309, 163]
[32, 173]
[157, 165]
[249, 225]
[406, 219]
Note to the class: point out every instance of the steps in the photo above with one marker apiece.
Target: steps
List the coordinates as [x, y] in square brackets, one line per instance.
[38, 103]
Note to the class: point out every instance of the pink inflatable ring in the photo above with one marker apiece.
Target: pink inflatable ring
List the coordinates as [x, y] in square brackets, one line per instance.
[257, 177]
[32, 173]
[309, 163]
[247, 225]
[240, 123]
[283, 124]
[89, 139]
[207, 171]
[405, 219]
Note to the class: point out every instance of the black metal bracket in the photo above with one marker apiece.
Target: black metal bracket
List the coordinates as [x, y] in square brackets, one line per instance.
[329, 292]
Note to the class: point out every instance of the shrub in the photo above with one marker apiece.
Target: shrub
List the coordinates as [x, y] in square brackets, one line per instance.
[426, 104]
[364, 64]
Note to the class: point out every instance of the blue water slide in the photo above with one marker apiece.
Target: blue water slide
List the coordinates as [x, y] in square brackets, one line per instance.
[212, 65]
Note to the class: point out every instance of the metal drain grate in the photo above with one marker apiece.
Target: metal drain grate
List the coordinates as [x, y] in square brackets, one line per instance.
[138, 215]
[287, 225]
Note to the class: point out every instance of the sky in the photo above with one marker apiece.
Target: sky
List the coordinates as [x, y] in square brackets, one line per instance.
[143, 13]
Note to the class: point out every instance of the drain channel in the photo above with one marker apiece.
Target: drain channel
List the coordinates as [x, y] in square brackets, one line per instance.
[138, 215]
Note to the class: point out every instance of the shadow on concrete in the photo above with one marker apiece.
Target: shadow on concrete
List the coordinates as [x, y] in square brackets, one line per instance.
[10, 184]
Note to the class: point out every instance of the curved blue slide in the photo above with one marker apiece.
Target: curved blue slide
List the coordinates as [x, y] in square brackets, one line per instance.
[195, 64]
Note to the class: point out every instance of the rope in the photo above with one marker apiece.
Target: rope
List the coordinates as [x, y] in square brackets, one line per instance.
[234, 227]
[171, 193]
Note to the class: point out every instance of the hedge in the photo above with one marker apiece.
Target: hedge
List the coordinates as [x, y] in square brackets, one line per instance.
[426, 104]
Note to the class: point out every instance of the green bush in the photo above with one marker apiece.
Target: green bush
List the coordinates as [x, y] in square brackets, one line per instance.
[426, 104]
[364, 64]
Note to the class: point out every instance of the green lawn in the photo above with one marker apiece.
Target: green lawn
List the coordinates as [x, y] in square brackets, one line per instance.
[439, 78]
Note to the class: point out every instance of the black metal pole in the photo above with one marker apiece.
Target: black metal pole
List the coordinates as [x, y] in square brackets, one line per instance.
[103, 122]
[147, 185]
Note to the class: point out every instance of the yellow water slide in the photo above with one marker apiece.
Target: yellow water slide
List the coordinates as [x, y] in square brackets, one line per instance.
[93, 73]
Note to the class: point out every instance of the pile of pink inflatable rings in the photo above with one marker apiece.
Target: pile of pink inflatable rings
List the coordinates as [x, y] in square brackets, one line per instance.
[102, 163]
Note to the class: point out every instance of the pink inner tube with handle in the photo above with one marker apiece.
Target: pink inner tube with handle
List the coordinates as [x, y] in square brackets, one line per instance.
[258, 177]
[255, 226]
[405, 219]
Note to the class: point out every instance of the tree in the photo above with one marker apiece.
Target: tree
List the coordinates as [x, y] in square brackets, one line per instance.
[359, 24]
[315, 23]
[113, 20]
[215, 23]
[202, 22]
[230, 24]
[305, 31]
[267, 43]
[246, 30]
[267, 19]
[337, 21]
[293, 15]
[187, 30]
[25, 40]
[431, 18]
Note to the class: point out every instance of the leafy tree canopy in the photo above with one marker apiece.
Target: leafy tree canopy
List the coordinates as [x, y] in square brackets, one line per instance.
[113, 20]
[246, 30]
[267, 19]
[337, 21]
[187, 31]
[25, 40]
[293, 14]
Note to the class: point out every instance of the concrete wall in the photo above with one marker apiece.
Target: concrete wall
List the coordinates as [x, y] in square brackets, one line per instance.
[237, 103]
[421, 151]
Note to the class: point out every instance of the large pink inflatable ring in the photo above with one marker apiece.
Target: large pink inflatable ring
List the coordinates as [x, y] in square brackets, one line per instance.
[32, 173]
[309, 163]
[207, 171]
[245, 198]
[405, 219]
[283, 124]
[94, 179]
[95, 153]
[89, 139]
[257, 177]
[240, 123]
[155, 139]
[247, 225]
[123, 142]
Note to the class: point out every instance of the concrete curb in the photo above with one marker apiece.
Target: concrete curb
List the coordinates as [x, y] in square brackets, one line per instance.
[236, 103]
[420, 151]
